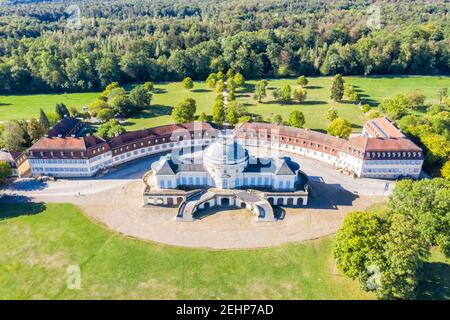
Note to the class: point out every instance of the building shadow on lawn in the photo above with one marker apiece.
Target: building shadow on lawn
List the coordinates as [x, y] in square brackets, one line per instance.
[435, 284]
[16, 206]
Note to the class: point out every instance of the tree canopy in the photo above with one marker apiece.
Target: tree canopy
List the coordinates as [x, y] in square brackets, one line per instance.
[184, 111]
[166, 40]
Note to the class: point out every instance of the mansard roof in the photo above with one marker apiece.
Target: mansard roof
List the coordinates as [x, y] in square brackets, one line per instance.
[299, 133]
[63, 128]
[383, 128]
[153, 133]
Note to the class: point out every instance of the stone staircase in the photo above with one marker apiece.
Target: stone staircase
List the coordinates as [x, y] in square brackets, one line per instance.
[255, 199]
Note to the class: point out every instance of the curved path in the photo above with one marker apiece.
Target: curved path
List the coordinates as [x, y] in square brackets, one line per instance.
[115, 200]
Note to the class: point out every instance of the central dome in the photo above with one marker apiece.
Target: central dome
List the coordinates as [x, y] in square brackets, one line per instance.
[225, 150]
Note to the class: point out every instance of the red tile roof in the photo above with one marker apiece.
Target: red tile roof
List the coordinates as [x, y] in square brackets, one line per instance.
[64, 127]
[304, 134]
[68, 143]
[383, 128]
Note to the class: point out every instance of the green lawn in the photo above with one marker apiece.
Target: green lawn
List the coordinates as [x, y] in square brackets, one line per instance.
[372, 89]
[36, 249]
[39, 242]
[27, 106]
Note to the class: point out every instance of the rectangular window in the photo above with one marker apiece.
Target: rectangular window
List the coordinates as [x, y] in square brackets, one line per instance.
[162, 184]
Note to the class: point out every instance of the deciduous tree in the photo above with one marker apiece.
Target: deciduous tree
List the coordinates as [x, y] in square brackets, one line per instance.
[299, 94]
[188, 83]
[302, 81]
[184, 111]
[296, 119]
[340, 127]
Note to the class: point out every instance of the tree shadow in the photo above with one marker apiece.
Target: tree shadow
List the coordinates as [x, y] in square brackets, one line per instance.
[156, 110]
[26, 185]
[200, 90]
[248, 87]
[356, 126]
[3, 104]
[159, 90]
[435, 284]
[313, 102]
[16, 206]
[313, 87]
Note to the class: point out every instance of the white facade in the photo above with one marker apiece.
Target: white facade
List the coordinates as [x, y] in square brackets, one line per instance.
[60, 167]
[225, 165]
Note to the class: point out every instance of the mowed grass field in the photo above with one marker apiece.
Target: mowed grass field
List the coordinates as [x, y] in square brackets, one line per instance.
[39, 242]
[371, 89]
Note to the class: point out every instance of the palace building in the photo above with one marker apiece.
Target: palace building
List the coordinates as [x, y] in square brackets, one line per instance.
[225, 174]
[382, 151]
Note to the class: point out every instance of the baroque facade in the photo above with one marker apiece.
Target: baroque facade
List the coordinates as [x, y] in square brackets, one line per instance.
[382, 151]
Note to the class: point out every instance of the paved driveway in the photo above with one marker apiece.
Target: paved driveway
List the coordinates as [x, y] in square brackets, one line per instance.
[317, 171]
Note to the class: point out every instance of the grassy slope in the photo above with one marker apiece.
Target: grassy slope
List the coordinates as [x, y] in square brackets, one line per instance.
[372, 89]
[35, 251]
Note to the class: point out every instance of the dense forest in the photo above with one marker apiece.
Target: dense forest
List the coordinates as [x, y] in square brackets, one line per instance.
[45, 47]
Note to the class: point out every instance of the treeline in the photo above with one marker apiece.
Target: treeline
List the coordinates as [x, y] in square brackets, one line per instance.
[43, 48]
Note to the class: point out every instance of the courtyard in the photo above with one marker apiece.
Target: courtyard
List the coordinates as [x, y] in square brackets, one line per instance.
[115, 201]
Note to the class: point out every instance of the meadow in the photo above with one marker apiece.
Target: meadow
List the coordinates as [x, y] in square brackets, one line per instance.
[372, 90]
[39, 242]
